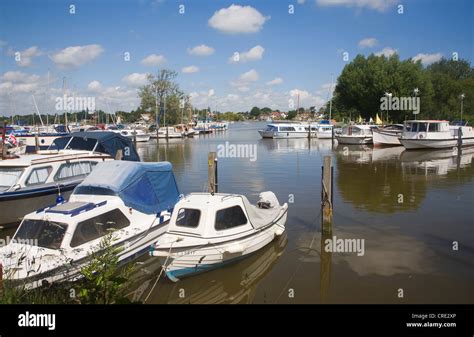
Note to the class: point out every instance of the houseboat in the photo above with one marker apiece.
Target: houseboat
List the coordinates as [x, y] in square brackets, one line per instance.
[356, 134]
[388, 135]
[287, 130]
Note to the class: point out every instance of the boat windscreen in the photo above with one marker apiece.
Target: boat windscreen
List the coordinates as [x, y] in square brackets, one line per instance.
[93, 190]
[9, 177]
[41, 233]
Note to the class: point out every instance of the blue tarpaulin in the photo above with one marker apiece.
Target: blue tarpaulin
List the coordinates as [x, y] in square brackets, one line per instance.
[108, 142]
[147, 187]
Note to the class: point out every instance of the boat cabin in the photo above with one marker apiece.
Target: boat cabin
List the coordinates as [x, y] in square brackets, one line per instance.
[210, 216]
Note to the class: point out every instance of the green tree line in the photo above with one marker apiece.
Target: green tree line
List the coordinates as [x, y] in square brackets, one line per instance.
[366, 80]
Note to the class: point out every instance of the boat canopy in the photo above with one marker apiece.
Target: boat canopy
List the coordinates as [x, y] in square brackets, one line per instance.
[147, 187]
[107, 142]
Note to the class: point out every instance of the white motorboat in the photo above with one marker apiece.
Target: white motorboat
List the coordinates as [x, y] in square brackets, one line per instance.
[287, 130]
[435, 134]
[388, 135]
[169, 132]
[324, 131]
[356, 134]
[134, 134]
[207, 231]
[133, 200]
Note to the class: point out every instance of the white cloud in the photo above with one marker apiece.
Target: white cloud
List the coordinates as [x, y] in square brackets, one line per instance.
[153, 60]
[428, 58]
[243, 88]
[237, 19]
[249, 76]
[378, 5]
[26, 56]
[387, 52]
[232, 97]
[210, 93]
[94, 86]
[301, 2]
[201, 50]
[275, 81]
[76, 56]
[255, 53]
[368, 42]
[136, 79]
[190, 69]
[19, 77]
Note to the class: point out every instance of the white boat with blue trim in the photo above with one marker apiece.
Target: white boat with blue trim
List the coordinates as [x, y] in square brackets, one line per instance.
[53, 244]
[207, 231]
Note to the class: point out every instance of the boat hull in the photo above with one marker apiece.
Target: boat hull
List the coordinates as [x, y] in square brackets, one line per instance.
[324, 135]
[412, 144]
[280, 135]
[15, 205]
[354, 140]
[385, 138]
[187, 261]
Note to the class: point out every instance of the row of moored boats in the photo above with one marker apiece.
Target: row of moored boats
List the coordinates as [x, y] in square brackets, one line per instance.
[68, 198]
[413, 134]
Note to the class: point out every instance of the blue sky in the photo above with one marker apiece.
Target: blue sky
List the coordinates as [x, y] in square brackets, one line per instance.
[282, 55]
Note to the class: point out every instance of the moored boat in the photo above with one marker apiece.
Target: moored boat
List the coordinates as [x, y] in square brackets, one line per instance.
[356, 134]
[29, 182]
[207, 231]
[435, 134]
[388, 135]
[286, 130]
[133, 203]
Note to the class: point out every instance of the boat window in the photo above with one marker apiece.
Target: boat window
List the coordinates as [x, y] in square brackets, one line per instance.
[77, 169]
[98, 226]
[271, 128]
[286, 128]
[9, 177]
[433, 127]
[422, 127]
[230, 217]
[39, 175]
[41, 233]
[93, 190]
[188, 217]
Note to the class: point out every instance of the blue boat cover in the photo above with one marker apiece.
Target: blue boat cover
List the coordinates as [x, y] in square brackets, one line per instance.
[109, 142]
[147, 187]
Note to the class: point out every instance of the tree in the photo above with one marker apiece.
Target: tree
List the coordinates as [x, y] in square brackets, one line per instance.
[364, 81]
[163, 87]
[291, 115]
[255, 112]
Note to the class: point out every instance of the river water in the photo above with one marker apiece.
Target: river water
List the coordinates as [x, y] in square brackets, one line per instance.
[411, 212]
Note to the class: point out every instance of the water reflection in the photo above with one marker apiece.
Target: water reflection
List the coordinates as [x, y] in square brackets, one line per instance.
[235, 283]
[386, 180]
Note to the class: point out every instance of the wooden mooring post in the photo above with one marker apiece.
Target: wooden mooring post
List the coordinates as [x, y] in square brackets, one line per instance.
[3, 148]
[326, 196]
[212, 173]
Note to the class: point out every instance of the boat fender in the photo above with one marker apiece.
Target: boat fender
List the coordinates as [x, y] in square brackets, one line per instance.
[59, 199]
[279, 231]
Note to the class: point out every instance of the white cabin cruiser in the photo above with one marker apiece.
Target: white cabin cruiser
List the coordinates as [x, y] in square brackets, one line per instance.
[207, 231]
[135, 134]
[435, 134]
[287, 130]
[324, 130]
[356, 134]
[135, 201]
[388, 135]
[169, 132]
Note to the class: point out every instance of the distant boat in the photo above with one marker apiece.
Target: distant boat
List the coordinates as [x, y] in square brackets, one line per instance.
[132, 199]
[324, 129]
[356, 134]
[207, 231]
[388, 135]
[287, 130]
[435, 134]
[169, 132]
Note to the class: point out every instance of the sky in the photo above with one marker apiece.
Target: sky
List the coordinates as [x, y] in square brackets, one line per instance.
[229, 55]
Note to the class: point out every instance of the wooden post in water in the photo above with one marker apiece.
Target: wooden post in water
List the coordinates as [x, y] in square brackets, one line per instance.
[212, 172]
[326, 196]
[135, 135]
[1, 279]
[460, 138]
